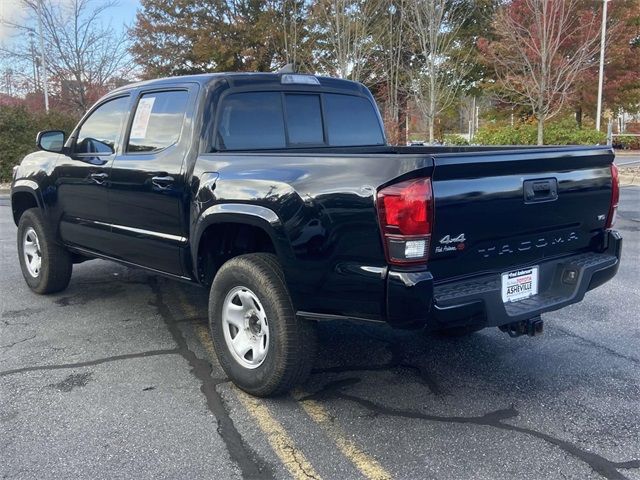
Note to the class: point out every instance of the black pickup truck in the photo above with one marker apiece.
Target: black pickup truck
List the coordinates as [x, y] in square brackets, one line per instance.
[279, 193]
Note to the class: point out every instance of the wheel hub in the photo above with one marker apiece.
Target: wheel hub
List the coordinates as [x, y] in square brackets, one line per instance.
[31, 252]
[245, 327]
[253, 324]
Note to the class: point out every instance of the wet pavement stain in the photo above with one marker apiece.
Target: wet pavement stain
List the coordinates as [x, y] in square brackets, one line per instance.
[82, 297]
[75, 380]
[98, 361]
[24, 312]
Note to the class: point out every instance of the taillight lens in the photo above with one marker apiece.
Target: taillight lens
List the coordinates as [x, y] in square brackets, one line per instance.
[405, 211]
[615, 196]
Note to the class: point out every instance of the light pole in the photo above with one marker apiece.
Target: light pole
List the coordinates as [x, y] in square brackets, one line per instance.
[43, 59]
[603, 36]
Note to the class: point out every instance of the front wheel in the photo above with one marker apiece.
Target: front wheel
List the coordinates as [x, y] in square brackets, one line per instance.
[260, 343]
[46, 265]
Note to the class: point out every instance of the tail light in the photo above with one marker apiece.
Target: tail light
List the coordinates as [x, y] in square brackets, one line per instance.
[405, 211]
[615, 196]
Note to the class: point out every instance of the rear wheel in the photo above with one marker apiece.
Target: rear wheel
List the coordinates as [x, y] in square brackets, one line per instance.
[46, 265]
[261, 345]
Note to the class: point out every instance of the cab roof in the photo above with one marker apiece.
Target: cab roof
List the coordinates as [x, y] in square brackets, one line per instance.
[241, 79]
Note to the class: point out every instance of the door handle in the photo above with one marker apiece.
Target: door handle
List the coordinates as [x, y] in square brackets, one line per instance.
[99, 178]
[162, 182]
[540, 190]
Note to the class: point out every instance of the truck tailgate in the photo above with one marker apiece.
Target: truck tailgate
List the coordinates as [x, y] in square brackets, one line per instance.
[496, 211]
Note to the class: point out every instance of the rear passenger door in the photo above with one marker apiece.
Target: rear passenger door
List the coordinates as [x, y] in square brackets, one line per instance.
[147, 194]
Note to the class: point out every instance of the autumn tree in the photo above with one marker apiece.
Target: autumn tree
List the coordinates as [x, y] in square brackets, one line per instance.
[622, 63]
[183, 37]
[541, 49]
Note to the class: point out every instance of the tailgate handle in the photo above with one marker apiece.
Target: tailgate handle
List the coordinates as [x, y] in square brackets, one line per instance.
[540, 190]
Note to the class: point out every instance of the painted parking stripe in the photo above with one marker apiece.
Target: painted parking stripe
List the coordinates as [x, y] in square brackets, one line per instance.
[281, 443]
[368, 466]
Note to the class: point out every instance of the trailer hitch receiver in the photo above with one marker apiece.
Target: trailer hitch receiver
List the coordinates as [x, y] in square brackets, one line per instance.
[532, 327]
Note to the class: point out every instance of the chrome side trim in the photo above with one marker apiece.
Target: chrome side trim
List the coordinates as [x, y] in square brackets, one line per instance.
[140, 231]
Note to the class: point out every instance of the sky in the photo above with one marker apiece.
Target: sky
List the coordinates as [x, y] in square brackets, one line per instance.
[11, 11]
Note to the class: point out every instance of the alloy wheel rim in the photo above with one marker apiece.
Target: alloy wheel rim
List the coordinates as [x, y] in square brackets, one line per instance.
[245, 326]
[31, 252]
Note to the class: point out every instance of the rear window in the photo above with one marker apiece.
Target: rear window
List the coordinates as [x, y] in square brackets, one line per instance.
[251, 121]
[351, 121]
[304, 119]
[277, 120]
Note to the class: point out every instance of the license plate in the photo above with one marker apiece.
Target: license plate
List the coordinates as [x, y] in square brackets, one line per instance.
[520, 284]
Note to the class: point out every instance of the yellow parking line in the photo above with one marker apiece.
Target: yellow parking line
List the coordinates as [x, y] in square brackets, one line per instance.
[205, 339]
[368, 466]
[292, 458]
[279, 440]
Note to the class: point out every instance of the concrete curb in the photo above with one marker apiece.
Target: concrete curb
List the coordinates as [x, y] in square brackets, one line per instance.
[627, 153]
[629, 180]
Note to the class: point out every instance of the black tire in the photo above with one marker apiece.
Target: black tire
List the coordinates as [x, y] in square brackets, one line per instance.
[56, 265]
[292, 342]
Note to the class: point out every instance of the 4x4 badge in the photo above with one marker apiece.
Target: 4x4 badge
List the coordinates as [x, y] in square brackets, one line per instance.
[446, 240]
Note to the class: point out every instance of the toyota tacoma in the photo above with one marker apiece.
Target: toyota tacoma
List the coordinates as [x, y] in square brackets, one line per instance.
[279, 193]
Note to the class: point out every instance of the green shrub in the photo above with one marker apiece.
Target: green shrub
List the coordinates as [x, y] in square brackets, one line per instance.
[18, 129]
[626, 142]
[563, 132]
[522, 134]
[453, 139]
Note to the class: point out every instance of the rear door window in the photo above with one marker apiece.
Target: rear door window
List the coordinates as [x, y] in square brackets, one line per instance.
[158, 121]
[351, 121]
[251, 121]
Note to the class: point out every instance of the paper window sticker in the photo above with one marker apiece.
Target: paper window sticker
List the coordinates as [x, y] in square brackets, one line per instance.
[141, 119]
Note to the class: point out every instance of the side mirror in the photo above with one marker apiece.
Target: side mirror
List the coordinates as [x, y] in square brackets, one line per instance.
[51, 141]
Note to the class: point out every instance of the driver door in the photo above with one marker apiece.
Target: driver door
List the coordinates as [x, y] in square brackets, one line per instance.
[83, 176]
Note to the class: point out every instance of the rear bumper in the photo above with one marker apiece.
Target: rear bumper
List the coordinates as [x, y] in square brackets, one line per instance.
[413, 300]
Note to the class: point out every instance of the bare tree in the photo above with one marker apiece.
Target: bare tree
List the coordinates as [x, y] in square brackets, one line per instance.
[543, 46]
[347, 35]
[291, 13]
[394, 54]
[441, 60]
[84, 56]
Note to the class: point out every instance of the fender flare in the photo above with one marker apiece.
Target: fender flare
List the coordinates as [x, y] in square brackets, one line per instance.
[30, 187]
[243, 213]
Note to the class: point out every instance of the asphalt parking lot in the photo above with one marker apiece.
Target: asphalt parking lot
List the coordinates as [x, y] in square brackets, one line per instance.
[116, 378]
